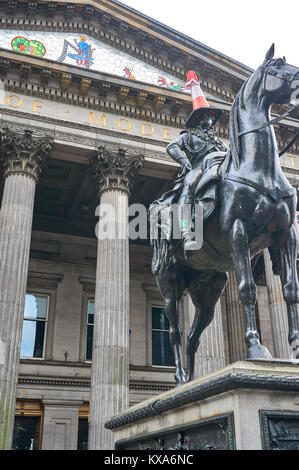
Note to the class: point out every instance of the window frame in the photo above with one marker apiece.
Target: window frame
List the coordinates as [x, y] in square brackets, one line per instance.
[88, 294]
[154, 299]
[155, 305]
[46, 321]
[89, 298]
[40, 283]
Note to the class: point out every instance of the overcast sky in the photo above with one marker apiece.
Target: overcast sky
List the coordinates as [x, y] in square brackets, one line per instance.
[242, 30]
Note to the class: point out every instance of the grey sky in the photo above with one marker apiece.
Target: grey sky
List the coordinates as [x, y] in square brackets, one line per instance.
[242, 30]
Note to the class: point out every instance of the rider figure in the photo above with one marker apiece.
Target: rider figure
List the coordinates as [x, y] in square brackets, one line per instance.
[190, 149]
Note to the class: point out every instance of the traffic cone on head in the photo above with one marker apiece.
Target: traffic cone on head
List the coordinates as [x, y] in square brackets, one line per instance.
[198, 98]
[199, 103]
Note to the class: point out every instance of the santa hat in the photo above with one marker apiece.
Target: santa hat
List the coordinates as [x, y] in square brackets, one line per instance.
[199, 103]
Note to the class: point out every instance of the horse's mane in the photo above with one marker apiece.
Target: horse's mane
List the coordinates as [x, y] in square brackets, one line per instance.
[252, 83]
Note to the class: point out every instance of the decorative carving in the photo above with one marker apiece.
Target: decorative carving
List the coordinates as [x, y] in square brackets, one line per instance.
[159, 102]
[123, 93]
[280, 430]
[25, 70]
[206, 434]
[12, 6]
[45, 76]
[21, 152]
[141, 98]
[84, 85]
[115, 169]
[4, 67]
[65, 81]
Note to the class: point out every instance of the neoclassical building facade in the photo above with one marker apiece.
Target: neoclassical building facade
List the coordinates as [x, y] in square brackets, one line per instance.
[91, 93]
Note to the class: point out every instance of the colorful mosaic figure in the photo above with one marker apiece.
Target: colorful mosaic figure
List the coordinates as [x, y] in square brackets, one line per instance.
[26, 46]
[84, 52]
[170, 84]
[128, 72]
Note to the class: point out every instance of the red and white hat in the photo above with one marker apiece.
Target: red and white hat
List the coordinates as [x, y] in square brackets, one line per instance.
[199, 103]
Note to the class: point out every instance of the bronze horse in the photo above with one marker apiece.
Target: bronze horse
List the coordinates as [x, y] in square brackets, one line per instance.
[255, 210]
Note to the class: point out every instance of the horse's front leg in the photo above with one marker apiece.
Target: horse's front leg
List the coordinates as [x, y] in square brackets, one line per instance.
[247, 289]
[290, 286]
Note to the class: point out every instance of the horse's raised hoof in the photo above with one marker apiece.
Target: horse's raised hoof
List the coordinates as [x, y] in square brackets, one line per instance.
[258, 351]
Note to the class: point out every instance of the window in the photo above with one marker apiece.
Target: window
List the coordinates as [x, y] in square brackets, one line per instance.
[89, 332]
[162, 354]
[34, 325]
[82, 442]
[26, 435]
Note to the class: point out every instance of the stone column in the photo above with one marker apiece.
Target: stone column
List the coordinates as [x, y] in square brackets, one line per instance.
[22, 155]
[235, 321]
[278, 312]
[210, 355]
[110, 358]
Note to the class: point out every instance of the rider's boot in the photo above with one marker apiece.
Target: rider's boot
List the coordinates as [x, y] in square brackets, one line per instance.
[187, 235]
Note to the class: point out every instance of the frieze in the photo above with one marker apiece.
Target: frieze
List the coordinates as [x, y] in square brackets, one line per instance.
[216, 433]
[134, 50]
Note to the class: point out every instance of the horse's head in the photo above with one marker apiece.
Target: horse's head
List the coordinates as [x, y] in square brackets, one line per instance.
[280, 81]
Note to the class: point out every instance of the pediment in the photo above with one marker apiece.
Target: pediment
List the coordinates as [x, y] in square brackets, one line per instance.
[87, 53]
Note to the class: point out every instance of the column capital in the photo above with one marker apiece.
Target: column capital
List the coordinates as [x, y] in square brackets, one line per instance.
[115, 168]
[23, 152]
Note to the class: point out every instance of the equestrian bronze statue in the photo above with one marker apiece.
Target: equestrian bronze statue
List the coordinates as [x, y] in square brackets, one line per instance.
[248, 206]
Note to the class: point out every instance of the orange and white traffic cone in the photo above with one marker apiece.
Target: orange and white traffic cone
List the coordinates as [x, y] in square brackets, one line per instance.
[199, 103]
[198, 98]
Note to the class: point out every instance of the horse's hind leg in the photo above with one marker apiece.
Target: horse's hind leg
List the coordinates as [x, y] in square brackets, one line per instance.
[204, 295]
[171, 287]
[287, 257]
[247, 288]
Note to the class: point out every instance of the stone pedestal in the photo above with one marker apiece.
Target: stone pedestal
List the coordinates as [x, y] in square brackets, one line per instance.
[21, 156]
[110, 356]
[248, 405]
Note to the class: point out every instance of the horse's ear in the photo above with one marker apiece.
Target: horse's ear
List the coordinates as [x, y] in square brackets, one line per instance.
[270, 53]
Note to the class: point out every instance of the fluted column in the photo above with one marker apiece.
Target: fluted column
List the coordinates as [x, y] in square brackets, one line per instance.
[210, 355]
[21, 156]
[278, 312]
[235, 320]
[110, 358]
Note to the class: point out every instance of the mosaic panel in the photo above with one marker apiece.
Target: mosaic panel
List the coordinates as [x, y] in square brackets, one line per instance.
[86, 52]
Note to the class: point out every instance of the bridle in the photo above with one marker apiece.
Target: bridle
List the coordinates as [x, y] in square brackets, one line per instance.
[283, 76]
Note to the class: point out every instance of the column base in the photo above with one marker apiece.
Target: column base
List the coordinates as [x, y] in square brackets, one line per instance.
[248, 405]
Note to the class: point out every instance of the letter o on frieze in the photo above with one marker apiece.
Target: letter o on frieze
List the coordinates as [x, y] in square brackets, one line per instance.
[124, 124]
[14, 101]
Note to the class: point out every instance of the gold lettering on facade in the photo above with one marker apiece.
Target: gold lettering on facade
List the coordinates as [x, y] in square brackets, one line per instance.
[147, 129]
[37, 105]
[167, 134]
[12, 98]
[102, 119]
[292, 160]
[128, 125]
